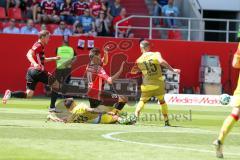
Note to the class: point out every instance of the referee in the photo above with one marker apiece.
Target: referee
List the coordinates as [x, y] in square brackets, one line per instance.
[63, 70]
[64, 65]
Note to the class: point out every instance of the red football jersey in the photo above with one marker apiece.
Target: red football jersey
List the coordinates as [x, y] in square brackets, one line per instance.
[39, 57]
[96, 8]
[96, 76]
[79, 7]
[49, 7]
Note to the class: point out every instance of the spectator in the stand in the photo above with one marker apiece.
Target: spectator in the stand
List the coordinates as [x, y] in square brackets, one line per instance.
[62, 30]
[26, 7]
[66, 12]
[88, 23]
[170, 10]
[59, 2]
[78, 30]
[114, 9]
[157, 9]
[36, 9]
[103, 24]
[95, 7]
[13, 3]
[29, 28]
[11, 29]
[106, 3]
[49, 10]
[78, 8]
[123, 32]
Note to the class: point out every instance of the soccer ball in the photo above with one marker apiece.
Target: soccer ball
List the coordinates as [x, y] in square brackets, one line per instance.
[225, 99]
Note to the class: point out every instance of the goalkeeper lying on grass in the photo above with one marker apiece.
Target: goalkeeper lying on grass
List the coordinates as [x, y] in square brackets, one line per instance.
[82, 113]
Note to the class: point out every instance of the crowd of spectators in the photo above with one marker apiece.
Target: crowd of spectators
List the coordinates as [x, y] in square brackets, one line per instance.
[168, 9]
[69, 17]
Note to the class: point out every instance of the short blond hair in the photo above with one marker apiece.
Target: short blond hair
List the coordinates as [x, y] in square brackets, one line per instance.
[144, 44]
[43, 34]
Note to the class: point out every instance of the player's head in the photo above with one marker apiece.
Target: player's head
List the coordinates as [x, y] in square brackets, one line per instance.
[144, 46]
[44, 36]
[69, 103]
[95, 56]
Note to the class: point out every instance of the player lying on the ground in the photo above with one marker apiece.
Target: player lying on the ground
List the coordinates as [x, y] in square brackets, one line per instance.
[153, 85]
[37, 72]
[234, 116]
[82, 113]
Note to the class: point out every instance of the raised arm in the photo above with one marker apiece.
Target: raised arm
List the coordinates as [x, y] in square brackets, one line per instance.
[105, 57]
[165, 64]
[236, 58]
[135, 69]
[116, 75]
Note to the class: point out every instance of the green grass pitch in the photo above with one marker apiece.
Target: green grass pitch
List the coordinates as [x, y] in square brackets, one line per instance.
[24, 135]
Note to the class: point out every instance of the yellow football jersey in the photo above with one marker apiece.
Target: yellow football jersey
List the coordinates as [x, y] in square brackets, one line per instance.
[81, 115]
[152, 73]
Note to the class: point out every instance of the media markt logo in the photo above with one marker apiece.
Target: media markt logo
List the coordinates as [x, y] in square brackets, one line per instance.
[196, 99]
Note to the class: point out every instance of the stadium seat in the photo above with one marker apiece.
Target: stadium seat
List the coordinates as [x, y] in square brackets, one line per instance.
[1, 26]
[52, 27]
[174, 34]
[5, 24]
[38, 27]
[15, 13]
[2, 13]
[20, 25]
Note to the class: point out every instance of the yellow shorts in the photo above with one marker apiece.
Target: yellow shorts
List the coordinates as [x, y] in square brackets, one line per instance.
[149, 91]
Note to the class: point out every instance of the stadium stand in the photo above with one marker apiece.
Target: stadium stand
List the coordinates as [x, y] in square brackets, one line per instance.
[2, 13]
[15, 13]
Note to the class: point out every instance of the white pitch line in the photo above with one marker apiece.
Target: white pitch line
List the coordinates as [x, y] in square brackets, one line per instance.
[110, 137]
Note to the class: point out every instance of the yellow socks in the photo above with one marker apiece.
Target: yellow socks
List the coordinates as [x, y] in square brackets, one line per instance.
[165, 111]
[227, 126]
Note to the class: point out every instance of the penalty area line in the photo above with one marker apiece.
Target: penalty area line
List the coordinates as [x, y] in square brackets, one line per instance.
[109, 136]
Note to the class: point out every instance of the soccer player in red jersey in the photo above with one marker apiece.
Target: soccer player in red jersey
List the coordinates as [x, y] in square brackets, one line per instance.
[97, 76]
[36, 72]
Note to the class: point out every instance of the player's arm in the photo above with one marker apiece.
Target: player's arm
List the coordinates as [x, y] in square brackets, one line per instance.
[108, 79]
[116, 75]
[105, 57]
[30, 55]
[135, 69]
[236, 58]
[165, 64]
[50, 59]
[95, 110]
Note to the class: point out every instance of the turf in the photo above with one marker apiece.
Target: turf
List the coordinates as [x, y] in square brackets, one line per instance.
[24, 135]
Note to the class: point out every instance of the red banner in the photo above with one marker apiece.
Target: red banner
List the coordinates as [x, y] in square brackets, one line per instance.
[180, 54]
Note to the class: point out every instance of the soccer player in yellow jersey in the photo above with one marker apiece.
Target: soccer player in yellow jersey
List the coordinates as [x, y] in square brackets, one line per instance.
[150, 63]
[234, 116]
[82, 113]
